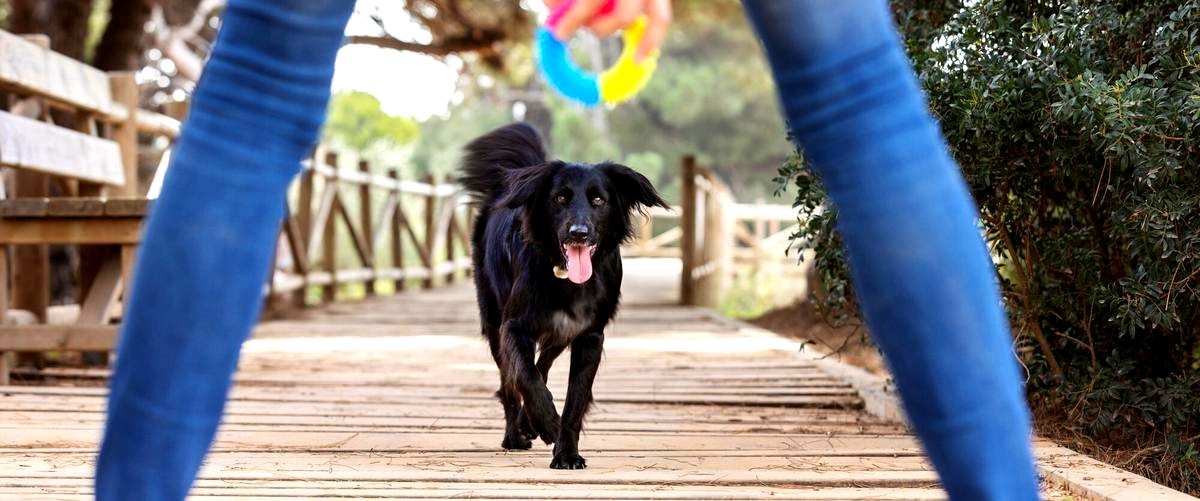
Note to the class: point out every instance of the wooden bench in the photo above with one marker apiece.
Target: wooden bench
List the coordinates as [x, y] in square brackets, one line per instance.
[67, 125]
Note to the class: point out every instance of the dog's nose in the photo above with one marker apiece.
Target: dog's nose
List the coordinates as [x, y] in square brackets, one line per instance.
[580, 231]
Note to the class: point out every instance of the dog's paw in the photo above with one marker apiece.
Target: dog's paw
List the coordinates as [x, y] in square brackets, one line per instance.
[568, 461]
[516, 443]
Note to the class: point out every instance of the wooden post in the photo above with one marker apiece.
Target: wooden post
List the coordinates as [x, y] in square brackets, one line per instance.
[125, 133]
[329, 242]
[6, 358]
[125, 92]
[366, 216]
[303, 218]
[687, 226]
[469, 228]
[450, 258]
[645, 230]
[31, 263]
[717, 244]
[431, 231]
[396, 231]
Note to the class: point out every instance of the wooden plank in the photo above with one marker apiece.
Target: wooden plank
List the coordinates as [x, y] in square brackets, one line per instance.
[295, 240]
[358, 240]
[127, 207]
[58, 337]
[617, 412]
[41, 147]
[75, 207]
[1094, 480]
[149, 122]
[27, 68]
[839, 400]
[70, 231]
[316, 232]
[102, 294]
[87, 438]
[25, 207]
[22, 412]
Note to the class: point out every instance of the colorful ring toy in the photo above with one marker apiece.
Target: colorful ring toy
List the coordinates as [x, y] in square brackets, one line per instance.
[619, 83]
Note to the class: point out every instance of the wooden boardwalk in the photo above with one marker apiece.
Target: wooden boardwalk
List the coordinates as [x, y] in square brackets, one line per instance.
[392, 398]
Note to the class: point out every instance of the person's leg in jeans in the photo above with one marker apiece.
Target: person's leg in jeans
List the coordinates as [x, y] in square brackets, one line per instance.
[199, 279]
[921, 270]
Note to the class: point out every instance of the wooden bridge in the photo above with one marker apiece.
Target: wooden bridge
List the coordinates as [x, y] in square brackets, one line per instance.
[391, 396]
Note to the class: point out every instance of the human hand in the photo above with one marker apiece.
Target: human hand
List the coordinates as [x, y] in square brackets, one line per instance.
[625, 12]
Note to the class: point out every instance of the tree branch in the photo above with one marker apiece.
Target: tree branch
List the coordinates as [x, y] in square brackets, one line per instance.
[482, 42]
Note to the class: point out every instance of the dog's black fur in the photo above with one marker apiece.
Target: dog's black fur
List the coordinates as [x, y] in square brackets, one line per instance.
[531, 208]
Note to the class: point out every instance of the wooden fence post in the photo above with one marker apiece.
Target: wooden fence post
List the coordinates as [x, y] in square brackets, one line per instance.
[303, 219]
[397, 231]
[717, 245]
[687, 225]
[364, 206]
[431, 231]
[452, 276]
[329, 242]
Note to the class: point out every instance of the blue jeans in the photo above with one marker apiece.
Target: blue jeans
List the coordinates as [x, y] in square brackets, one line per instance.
[922, 272]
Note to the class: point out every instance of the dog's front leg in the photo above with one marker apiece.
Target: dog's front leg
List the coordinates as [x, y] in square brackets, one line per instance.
[544, 362]
[586, 351]
[520, 372]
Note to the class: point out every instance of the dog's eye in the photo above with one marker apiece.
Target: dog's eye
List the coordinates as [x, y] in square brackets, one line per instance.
[561, 199]
[597, 201]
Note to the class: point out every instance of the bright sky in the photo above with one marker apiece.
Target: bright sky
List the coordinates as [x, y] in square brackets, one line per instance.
[406, 83]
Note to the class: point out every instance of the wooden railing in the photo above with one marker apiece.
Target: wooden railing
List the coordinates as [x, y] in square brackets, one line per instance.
[710, 233]
[382, 217]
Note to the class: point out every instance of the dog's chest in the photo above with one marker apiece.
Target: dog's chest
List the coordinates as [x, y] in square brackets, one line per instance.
[567, 323]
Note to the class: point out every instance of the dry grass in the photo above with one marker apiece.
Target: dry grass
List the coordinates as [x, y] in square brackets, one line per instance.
[1146, 456]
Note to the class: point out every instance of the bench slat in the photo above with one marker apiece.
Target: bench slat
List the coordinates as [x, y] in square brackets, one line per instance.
[62, 230]
[27, 67]
[33, 145]
[81, 207]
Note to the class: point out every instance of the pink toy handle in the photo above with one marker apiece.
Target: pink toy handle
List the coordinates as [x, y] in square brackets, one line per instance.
[561, 10]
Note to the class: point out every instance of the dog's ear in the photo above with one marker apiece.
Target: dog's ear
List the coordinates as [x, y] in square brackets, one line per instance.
[522, 186]
[633, 190]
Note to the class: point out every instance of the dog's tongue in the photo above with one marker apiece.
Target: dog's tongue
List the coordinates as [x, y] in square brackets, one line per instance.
[579, 263]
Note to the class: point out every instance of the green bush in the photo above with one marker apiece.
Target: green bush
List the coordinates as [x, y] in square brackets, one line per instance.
[1075, 123]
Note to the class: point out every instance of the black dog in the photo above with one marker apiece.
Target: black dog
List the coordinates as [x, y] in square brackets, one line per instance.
[547, 274]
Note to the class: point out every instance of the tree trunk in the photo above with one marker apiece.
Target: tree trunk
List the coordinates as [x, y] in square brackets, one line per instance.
[121, 47]
[64, 21]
